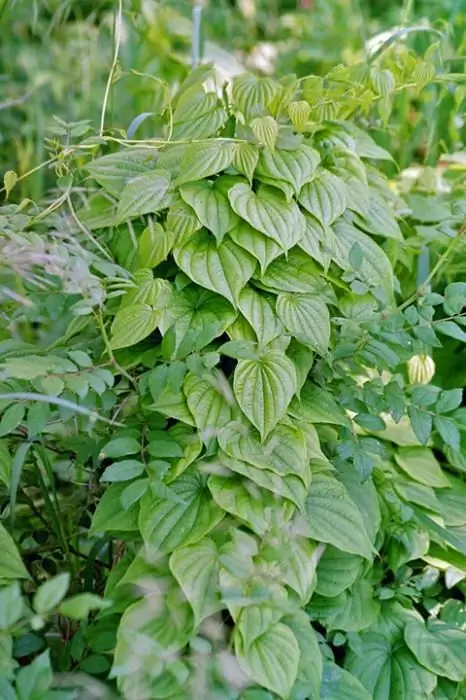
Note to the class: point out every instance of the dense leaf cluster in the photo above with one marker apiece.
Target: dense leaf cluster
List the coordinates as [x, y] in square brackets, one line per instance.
[245, 405]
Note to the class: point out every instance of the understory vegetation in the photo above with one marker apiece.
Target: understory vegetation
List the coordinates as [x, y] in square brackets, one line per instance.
[232, 282]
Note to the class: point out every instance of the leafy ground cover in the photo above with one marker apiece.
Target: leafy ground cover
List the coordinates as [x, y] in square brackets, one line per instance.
[231, 385]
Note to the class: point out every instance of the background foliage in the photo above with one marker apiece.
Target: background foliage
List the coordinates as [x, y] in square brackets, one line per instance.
[232, 351]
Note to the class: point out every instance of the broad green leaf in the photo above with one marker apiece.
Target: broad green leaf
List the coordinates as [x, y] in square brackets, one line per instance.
[196, 570]
[245, 159]
[51, 593]
[166, 524]
[451, 502]
[113, 171]
[268, 212]
[224, 269]
[260, 510]
[295, 273]
[389, 673]
[264, 389]
[125, 470]
[132, 324]
[352, 611]
[11, 565]
[11, 418]
[438, 647]
[352, 171]
[109, 515]
[201, 127]
[155, 244]
[303, 359]
[375, 270]
[299, 113]
[307, 318]
[199, 314]
[205, 158]
[324, 197]
[334, 518]
[310, 659]
[256, 620]
[120, 447]
[298, 565]
[365, 496]
[420, 464]
[380, 219]
[272, 660]
[296, 167]
[317, 241]
[338, 684]
[209, 400]
[252, 94]
[265, 129]
[144, 194]
[259, 312]
[336, 571]
[34, 680]
[446, 690]
[284, 451]
[317, 405]
[263, 248]
[181, 220]
[211, 206]
[289, 486]
[79, 606]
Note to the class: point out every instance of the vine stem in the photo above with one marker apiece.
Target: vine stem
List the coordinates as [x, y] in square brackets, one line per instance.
[118, 32]
[109, 350]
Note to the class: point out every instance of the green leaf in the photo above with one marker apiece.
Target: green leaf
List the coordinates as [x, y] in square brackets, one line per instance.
[334, 518]
[132, 324]
[389, 673]
[265, 129]
[51, 593]
[451, 502]
[324, 197]
[209, 401]
[79, 606]
[125, 470]
[166, 524]
[380, 219]
[438, 647]
[295, 273]
[120, 447]
[181, 220]
[260, 246]
[272, 660]
[299, 561]
[113, 171]
[245, 159]
[449, 400]
[307, 318]
[11, 565]
[205, 158]
[144, 194]
[155, 244]
[310, 660]
[259, 509]
[317, 405]
[448, 431]
[336, 571]
[283, 452]
[109, 515]
[289, 486]
[224, 269]
[268, 212]
[351, 611]
[259, 313]
[34, 680]
[133, 493]
[375, 270]
[421, 423]
[420, 464]
[251, 94]
[196, 570]
[211, 206]
[451, 329]
[11, 418]
[296, 167]
[338, 684]
[264, 389]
